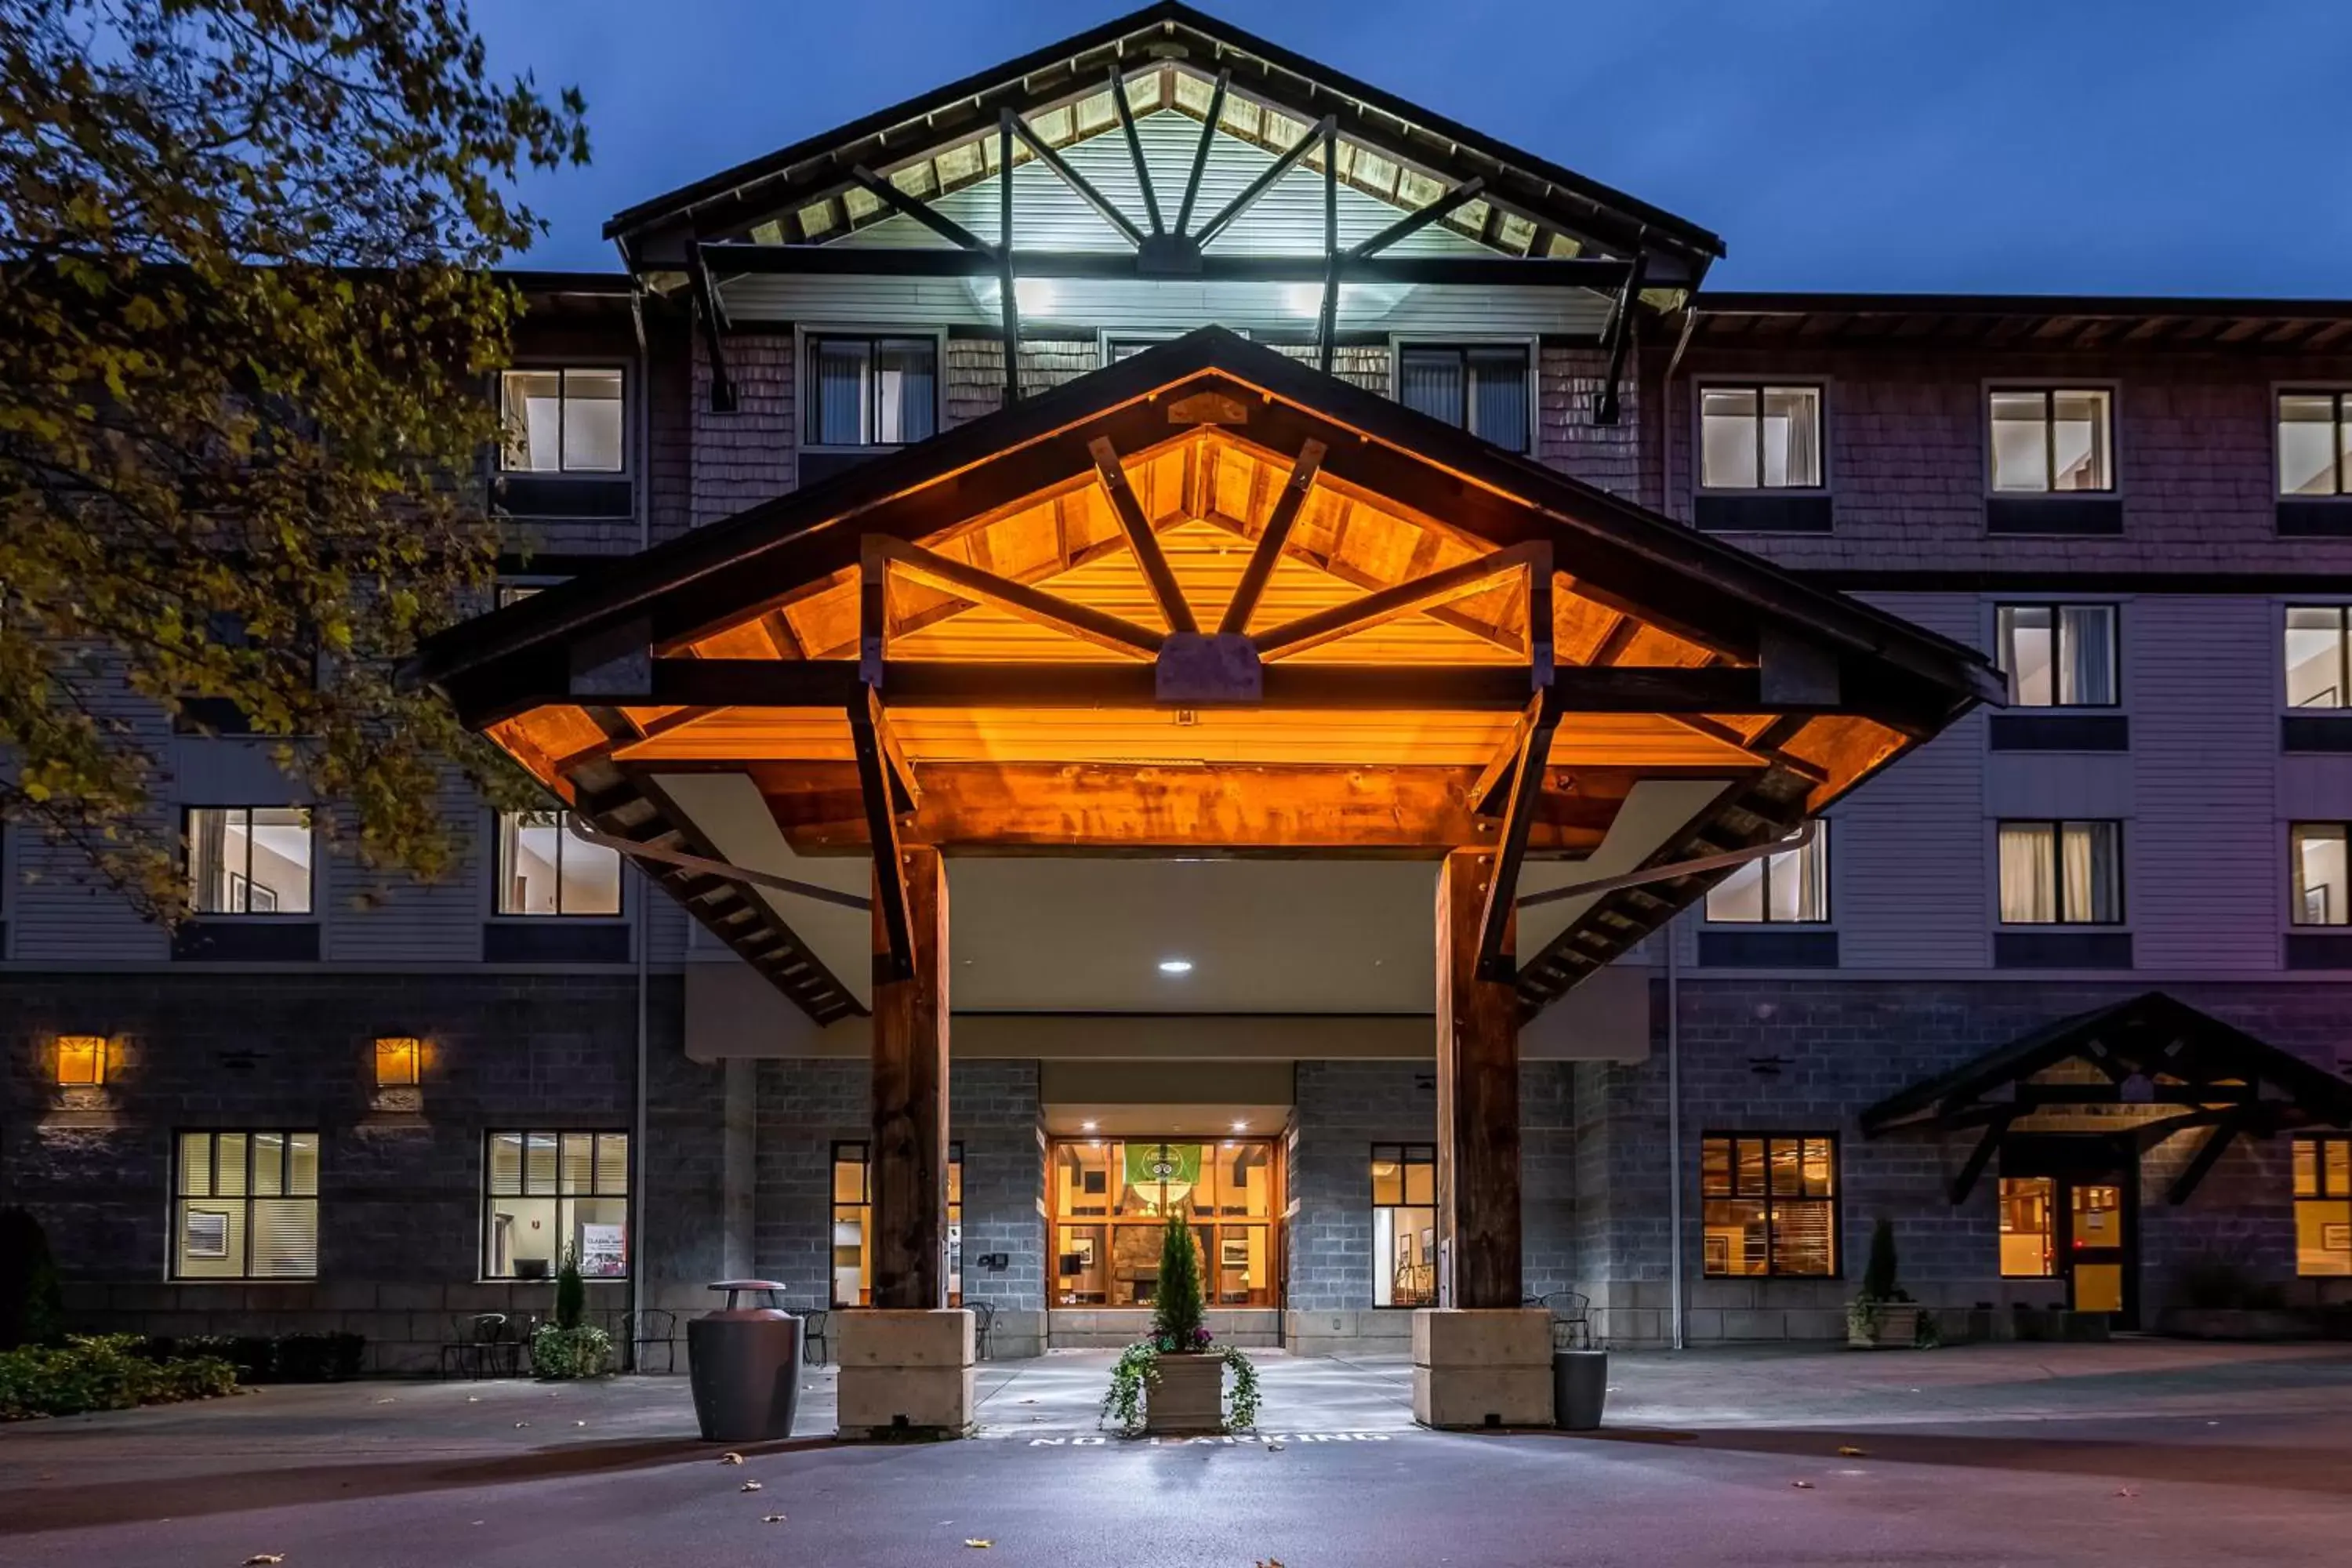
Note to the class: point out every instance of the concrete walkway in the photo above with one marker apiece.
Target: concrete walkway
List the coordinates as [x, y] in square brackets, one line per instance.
[2145, 1452]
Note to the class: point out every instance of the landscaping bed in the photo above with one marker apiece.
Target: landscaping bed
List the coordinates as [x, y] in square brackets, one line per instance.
[104, 1371]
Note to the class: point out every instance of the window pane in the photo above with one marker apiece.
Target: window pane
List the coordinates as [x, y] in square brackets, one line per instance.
[2323, 1237]
[2306, 1155]
[840, 384]
[2026, 1227]
[195, 1164]
[1792, 435]
[1430, 382]
[2080, 441]
[229, 1168]
[1727, 424]
[1804, 1239]
[849, 1177]
[1783, 1168]
[279, 861]
[2029, 884]
[2335, 1166]
[1739, 897]
[592, 421]
[2092, 873]
[211, 890]
[2308, 453]
[505, 1162]
[528, 845]
[1747, 1166]
[905, 389]
[270, 1165]
[302, 1164]
[2323, 888]
[539, 1162]
[1796, 883]
[517, 1232]
[1733, 1237]
[1388, 1179]
[2028, 652]
[2020, 437]
[1420, 1177]
[1820, 1168]
[592, 878]
[1498, 396]
[210, 1240]
[577, 1164]
[532, 400]
[2086, 655]
[1715, 1168]
[612, 1163]
[285, 1238]
[2314, 657]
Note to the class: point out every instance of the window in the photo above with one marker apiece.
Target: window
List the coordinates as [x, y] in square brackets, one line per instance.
[561, 421]
[1769, 1207]
[1482, 388]
[1759, 438]
[2323, 1205]
[1404, 1224]
[853, 1226]
[547, 1193]
[545, 868]
[1791, 887]
[2047, 440]
[249, 860]
[872, 391]
[2062, 873]
[2318, 656]
[2323, 882]
[2028, 1227]
[2058, 656]
[1110, 1200]
[2315, 444]
[246, 1207]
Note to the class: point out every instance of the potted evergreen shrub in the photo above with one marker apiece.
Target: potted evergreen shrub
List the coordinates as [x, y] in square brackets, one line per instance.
[569, 1347]
[1883, 1315]
[1175, 1380]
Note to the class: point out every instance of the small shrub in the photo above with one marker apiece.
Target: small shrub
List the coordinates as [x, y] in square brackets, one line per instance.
[1176, 1305]
[571, 1292]
[32, 1307]
[104, 1371]
[1879, 1275]
[583, 1350]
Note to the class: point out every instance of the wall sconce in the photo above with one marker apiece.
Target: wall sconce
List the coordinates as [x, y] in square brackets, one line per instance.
[81, 1061]
[396, 1058]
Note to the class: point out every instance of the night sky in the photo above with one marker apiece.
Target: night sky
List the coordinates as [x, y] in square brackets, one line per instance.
[2007, 146]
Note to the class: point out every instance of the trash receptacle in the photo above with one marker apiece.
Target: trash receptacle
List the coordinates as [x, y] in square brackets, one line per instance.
[744, 1364]
[1579, 1386]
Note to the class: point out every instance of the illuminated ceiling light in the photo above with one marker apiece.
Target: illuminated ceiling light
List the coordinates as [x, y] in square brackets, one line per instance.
[1088, 1126]
[396, 1059]
[1241, 1126]
[81, 1061]
[1175, 966]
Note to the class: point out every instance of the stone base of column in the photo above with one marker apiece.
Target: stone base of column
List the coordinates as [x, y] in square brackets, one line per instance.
[904, 1375]
[1475, 1368]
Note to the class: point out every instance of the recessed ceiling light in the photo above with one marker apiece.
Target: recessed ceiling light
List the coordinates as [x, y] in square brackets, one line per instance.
[1241, 1126]
[1088, 1126]
[1175, 966]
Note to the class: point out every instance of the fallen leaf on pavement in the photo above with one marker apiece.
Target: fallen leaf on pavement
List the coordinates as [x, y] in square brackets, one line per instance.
[1848, 1452]
[730, 1457]
[1802, 1486]
[1273, 1448]
[1024, 1402]
[772, 1519]
[2126, 1491]
[473, 1399]
[521, 1424]
[580, 1424]
[387, 1401]
[263, 1558]
[975, 1540]
[751, 1486]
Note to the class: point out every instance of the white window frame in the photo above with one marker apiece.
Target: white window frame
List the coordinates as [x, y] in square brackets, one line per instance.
[804, 334]
[2343, 394]
[629, 400]
[496, 860]
[2056, 602]
[1399, 343]
[2048, 386]
[1819, 385]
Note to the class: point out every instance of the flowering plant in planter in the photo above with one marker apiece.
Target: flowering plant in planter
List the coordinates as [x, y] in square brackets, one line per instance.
[1178, 1335]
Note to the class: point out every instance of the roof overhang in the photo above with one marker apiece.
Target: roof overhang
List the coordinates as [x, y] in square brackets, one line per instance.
[2026, 322]
[1205, 600]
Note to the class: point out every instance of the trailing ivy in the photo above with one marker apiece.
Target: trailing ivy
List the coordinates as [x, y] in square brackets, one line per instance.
[1137, 1368]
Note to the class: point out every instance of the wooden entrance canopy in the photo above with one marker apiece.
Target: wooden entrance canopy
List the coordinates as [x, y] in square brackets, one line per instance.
[2147, 1068]
[1205, 600]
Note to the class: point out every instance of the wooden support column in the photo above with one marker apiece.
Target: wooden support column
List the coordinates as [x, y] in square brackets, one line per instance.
[1477, 1100]
[907, 1172]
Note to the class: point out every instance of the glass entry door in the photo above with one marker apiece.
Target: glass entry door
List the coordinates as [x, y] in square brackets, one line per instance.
[2077, 1223]
[1111, 1197]
[2098, 1251]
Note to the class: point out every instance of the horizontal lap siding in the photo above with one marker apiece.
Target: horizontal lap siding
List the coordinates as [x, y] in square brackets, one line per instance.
[2206, 856]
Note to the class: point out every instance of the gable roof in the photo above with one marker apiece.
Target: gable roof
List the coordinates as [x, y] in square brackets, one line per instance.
[725, 205]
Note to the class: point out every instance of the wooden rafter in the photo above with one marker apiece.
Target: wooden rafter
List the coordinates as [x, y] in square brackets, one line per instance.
[1165, 591]
[1201, 152]
[1250, 192]
[1386, 605]
[1496, 961]
[1085, 188]
[1271, 540]
[1354, 576]
[891, 900]
[923, 213]
[1087, 625]
[1135, 148]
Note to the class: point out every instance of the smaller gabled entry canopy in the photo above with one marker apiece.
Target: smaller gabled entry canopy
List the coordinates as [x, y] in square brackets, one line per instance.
[2144, 1068]
[1205, 600]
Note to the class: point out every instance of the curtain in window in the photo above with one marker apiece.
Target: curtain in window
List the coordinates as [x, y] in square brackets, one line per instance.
[208, 867]
[2028, 894]
[2086, 635]
[841, 378]
[2088, 850]
[1430, 383]
[1498, 397]
[905, 394]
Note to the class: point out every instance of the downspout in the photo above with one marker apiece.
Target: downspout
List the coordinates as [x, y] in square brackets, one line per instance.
[1674, 1130]
[640, 1136]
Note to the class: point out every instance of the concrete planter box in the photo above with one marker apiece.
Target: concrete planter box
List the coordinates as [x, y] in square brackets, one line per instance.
[1896, 1328]
[1185, 1394]
[2237, 1323]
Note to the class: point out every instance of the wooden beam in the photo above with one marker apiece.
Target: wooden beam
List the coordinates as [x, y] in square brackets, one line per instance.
[907, 1166]
[894, 935]
[923, 213]
[1327, 317]
[1165, 591]
[1201, 152]
[1077, 182]
[1371, 811]
[1979, 1158]
[1477, 1101]
[1250, 192]
[2209, 1153]
[1135, 148]
[1463, 271]
[1495, 963]
[1009, 302]
[712, 313]
[1273, 540]
[1413, 222]
[1098, 627]
[1456, 581]
[1491, 788]
[1609, 407]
